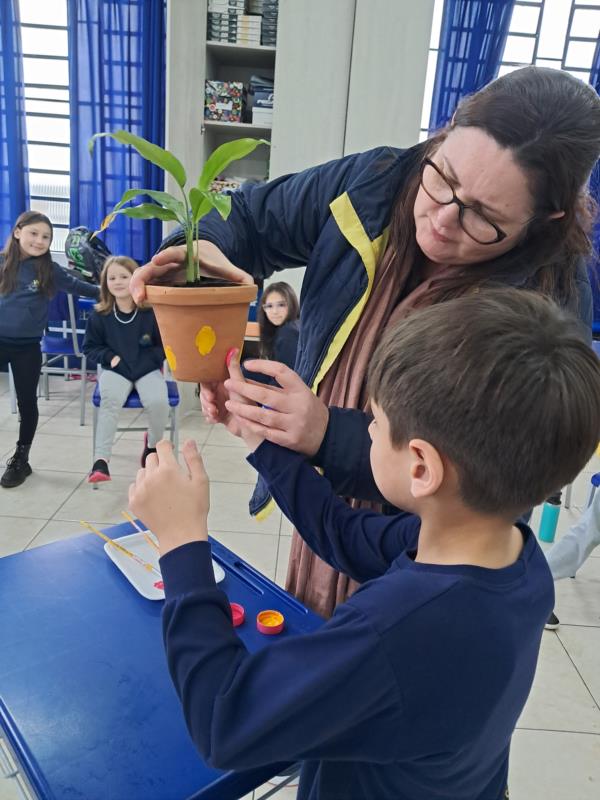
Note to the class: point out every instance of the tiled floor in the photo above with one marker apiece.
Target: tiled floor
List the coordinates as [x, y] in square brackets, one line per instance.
[556, 749]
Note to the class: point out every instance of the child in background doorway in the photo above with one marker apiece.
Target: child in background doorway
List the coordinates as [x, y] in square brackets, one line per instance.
[28, 280]
[124, 340]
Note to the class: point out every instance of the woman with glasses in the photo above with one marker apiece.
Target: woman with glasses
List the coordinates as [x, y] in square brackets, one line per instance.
[498, 197]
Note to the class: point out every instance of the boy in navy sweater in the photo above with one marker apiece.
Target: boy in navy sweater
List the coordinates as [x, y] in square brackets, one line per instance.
[482, 407]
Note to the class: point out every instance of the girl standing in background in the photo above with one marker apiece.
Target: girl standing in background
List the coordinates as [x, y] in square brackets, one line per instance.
[28, 281]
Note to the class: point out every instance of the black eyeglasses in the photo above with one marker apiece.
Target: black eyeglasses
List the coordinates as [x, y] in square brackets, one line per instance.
[475, 224]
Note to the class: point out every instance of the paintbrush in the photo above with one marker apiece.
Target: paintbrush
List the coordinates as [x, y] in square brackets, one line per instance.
[144, 533]
[120, 547]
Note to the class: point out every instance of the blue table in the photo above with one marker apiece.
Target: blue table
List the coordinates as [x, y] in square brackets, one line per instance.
[86, 701]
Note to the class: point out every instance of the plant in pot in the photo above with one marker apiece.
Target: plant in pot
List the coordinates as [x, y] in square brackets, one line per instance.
[202, 320]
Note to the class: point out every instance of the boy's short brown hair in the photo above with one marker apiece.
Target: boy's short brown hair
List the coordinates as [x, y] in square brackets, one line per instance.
[503, 384]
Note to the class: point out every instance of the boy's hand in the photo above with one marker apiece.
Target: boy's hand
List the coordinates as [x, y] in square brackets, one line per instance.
[114, 361]
[171, 500]
[247, 431]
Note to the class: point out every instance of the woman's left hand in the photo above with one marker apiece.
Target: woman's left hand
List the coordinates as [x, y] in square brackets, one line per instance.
[172, 501]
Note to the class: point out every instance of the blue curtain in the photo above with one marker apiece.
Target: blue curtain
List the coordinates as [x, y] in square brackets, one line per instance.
[117, 81]
[14, 176]
[472, 41]
[595, 191]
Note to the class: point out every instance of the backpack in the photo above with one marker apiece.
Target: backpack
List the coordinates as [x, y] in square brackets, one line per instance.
[86, 253]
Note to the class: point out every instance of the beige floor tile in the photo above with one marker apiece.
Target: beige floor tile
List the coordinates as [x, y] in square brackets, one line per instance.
[8, 440]
[229, 510]
[547, 765]
[578, 601]
[259, 550]
[57, 530]
[559, 699]
[583, 646]
[17, 532]
[104, 503]
[228, 464]
[42, 494]
[285, 793]
[286, 528]
[62, 453]
[283, 556]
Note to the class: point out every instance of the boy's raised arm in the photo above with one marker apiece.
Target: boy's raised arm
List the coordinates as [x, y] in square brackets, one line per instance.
[362, 544]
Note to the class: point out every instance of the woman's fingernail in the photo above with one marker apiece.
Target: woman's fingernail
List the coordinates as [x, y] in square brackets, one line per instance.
[230, 354]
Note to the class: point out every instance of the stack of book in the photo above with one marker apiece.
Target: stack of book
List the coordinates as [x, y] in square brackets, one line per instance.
[227, 22]
[268, 10]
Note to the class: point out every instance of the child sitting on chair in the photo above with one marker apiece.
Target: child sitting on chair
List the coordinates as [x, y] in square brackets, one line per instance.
[483, 406]
[124, 340]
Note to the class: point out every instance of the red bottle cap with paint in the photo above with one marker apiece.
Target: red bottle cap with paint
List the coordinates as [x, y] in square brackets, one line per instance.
[270, 622]
[238, 615]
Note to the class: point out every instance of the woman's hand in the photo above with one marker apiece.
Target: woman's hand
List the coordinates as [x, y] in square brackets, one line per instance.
[291, 416]
[114, 361]
[168, 267]
[172, 501]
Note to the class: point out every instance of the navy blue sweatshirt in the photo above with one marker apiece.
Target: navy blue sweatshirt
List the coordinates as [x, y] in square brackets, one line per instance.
[137, 342]
[411, 691]
[285, 346]
[24, 311]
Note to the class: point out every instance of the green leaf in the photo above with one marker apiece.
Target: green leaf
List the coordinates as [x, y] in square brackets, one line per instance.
[148, 211]
[222, 202]
[223, 156]
[151, 152]
[141, 211]
[162, 198]
[200, 204]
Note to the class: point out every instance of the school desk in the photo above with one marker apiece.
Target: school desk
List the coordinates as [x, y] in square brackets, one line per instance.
[86, 702]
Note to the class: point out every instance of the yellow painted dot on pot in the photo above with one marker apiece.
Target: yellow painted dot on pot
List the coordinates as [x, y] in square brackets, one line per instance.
[205, 340]
[170, 356]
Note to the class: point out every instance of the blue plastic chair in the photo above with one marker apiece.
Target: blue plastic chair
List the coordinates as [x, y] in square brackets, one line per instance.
[62, 345]
[133, 401]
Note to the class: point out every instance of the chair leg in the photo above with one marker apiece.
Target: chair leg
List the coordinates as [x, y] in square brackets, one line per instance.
[82, 393]
[567, 503]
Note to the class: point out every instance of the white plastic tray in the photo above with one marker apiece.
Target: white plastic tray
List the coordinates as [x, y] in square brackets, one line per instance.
[147, 583]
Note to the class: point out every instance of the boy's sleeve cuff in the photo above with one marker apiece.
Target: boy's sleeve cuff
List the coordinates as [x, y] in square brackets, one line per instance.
[187, 568]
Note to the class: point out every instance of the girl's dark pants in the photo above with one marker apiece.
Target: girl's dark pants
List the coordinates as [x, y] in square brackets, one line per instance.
[26, 363]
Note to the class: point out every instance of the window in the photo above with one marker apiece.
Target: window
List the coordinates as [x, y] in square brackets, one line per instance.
[46, 72]
[548, 33]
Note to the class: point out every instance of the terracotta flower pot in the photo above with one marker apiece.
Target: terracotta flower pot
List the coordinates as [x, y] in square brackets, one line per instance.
[198, 326]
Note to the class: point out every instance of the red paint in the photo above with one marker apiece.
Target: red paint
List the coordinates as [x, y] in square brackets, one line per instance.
[238, 615]
[159, 585]
[230, 354]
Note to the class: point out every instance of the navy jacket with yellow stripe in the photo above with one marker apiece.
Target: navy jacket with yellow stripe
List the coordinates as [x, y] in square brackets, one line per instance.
[333, 219]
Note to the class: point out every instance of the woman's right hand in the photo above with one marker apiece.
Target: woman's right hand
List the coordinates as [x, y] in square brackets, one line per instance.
[168, 267]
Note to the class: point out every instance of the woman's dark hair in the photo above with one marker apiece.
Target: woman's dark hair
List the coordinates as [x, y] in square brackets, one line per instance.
[550, 121]
[268, 331]
[11, 257]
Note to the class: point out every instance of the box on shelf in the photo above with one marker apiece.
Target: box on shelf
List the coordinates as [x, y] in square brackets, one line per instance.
[224, 100]
[227, 6]
[262, 116]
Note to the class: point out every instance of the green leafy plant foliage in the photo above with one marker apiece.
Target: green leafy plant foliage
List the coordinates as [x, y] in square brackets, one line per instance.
[195, 203]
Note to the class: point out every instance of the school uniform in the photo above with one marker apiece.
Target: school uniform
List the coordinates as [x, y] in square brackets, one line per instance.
[135, 338]
[411, 691]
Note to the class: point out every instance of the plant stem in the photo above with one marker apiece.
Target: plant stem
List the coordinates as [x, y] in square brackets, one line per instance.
[191, 269]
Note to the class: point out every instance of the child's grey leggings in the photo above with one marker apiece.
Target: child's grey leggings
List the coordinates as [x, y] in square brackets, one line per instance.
[114, 390]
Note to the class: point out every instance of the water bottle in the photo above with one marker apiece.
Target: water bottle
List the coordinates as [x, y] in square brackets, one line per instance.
[549, 521]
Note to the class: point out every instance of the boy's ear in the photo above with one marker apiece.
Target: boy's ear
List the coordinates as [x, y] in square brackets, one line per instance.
[426, 468]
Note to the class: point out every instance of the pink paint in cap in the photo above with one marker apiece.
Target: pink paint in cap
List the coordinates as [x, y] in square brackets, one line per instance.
[238, 615]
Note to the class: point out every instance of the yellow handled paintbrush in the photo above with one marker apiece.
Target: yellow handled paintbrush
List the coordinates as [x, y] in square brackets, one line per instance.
[144, 533]
[120, 547]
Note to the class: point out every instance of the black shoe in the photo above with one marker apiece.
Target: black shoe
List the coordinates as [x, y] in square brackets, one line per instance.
[99, 472]
[17, 468]
[552, 622]
[146, 451]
